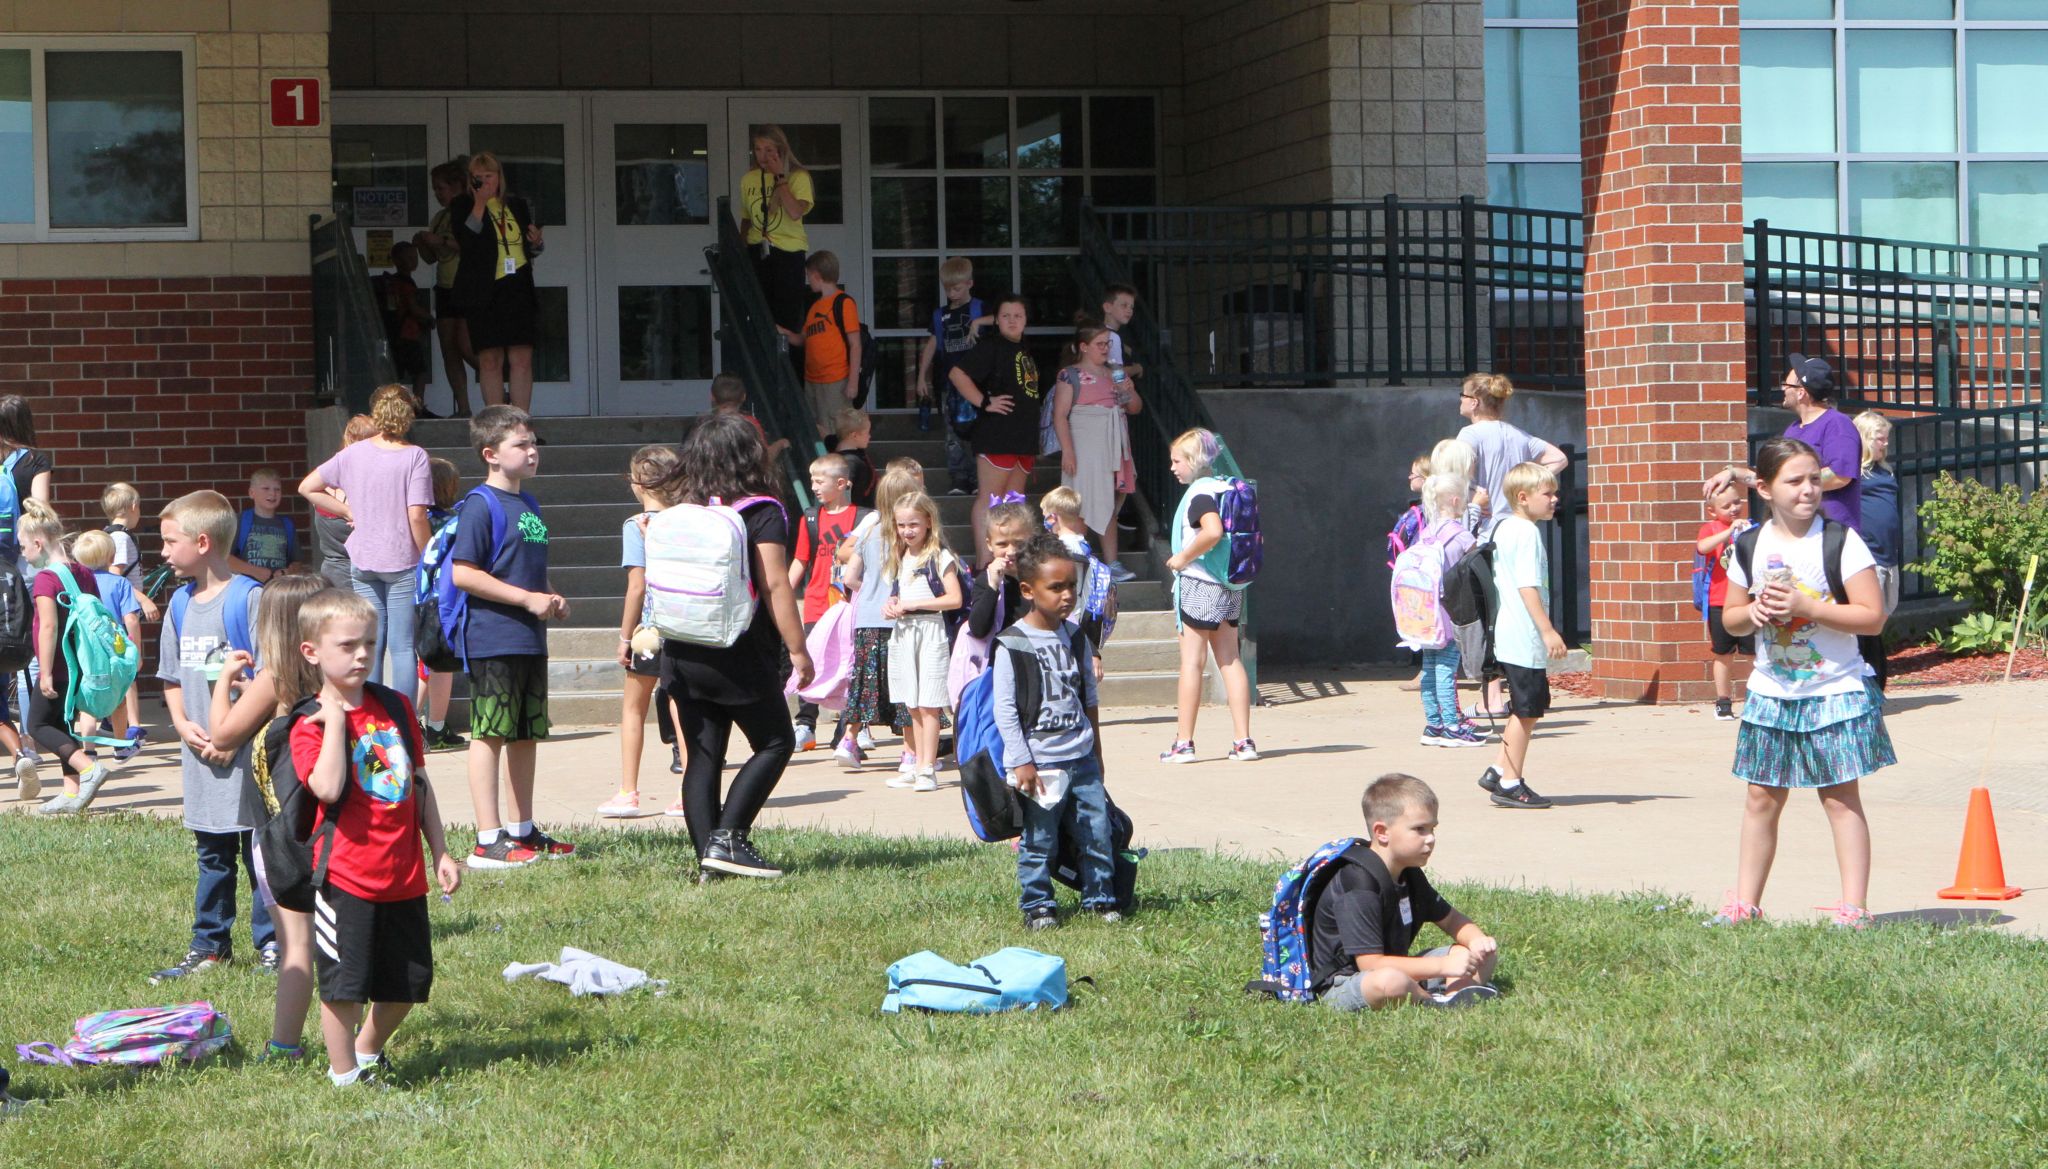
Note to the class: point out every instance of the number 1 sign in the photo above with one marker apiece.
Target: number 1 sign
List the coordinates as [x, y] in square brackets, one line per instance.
[294, 101]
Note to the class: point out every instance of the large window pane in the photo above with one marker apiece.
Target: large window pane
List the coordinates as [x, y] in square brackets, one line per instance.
[551, 356]
[1125, 190]
[1049, 133]
[905, 287]
[1794, 196]
[664, 333]
[2008, 76]
[905, 212]
[1049, 212]
[1543, 186]
[1902, 90]
[1532, 77]
[1049, 294]
[902, 133]
[2009, 204]
[117, 139]
[535, 168]
[1787, 9]
[392, 157]
[1903, 200]
[993, 277]
[977, 132]
[895, 369]
[663, 175]
[977, 213]
[1120, 132]
[2006, 10]
[1788, 91]
[17, 140]
[1898, 9]
[1532, 9]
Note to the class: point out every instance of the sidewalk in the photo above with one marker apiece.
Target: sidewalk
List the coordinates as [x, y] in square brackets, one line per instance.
[1644, 799]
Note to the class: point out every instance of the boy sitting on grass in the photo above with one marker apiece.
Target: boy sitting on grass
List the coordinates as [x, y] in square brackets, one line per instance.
[1367, 917]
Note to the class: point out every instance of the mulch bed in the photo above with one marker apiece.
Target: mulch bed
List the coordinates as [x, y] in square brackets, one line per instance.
[1919, 665]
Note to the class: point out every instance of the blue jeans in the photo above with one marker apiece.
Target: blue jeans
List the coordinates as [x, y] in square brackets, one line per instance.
[1440, 687]
[213, 908]
[390, 593]
[1083, 815]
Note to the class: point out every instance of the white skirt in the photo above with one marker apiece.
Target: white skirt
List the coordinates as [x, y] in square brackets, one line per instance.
[1098, 454]
[918, 657]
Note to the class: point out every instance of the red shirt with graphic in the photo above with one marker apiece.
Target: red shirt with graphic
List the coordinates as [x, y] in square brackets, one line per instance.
[832, 529]
[376, 852]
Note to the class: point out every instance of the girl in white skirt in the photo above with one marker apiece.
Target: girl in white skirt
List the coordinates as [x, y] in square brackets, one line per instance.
[1807, 587]
[926, 585]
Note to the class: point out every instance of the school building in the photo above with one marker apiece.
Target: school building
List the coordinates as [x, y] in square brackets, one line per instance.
[161, 162]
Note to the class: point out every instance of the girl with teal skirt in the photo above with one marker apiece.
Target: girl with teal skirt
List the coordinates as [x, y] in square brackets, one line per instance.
[1814, 717]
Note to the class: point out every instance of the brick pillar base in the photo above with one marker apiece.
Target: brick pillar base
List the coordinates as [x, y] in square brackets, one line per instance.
[1665, 391]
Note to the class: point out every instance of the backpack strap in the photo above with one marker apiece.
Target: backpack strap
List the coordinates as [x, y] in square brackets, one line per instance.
[839, 299]
[1833, 537]
[235, 616]
[1322, 878]
[1745, 551]
[244, 524]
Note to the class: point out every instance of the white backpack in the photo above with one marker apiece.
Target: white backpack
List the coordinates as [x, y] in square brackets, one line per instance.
[700, 585]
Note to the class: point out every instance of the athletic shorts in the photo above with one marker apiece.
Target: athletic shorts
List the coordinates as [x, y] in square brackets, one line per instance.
[371, 951]
[1528, 691]
[1009, 462]
[1724, 642]
[508, 697]
[1206, 605]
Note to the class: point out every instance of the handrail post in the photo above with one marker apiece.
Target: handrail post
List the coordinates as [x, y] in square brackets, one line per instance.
[1390, 266]
[2030, 347]
[1568, 544]
[1468, 277]
[1761, 230]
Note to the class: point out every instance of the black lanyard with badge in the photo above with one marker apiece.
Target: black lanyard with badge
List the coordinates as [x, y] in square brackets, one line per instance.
[768, 207]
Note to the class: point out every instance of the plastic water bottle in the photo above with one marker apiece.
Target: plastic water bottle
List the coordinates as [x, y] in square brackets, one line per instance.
[1775, 572]
[924, 413]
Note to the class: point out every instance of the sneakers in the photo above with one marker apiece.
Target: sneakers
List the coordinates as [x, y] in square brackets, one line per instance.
[502, 853]
[676, 809]
[58, 805]
[194, 962]
[622, 805]
[275, 1052]
[1243, 751]
[444, 739]
[1734, 912]
[1120, 574]
[1462, 735]
[926, 781]
[1109, 916]
[729, 851]
[901, 779]
[89, 786]
[1850, 917]
[1489, 780]
[675, 759]
[1435, 736]
[1519, 796]
[849, 755]
[1182, 751]
[907, 765]
[864, 739]
[137, 738]
[272, 959]
[28, 785]
[1464, 996]
[1724, 710]
[541, 844]
[806, 738]
[1041, 919]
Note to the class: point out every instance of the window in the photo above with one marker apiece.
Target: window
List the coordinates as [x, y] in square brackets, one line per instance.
[998, 179]
[1532, 104]
[97, 140]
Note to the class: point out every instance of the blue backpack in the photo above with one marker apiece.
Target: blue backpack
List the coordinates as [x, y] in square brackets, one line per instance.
[1010, 979]
[440, 624]
[1286, 973]
[1702, 580]
[10, 507]
[1235, 559]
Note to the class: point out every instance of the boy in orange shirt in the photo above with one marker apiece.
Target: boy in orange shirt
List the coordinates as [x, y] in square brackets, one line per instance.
[830, 341]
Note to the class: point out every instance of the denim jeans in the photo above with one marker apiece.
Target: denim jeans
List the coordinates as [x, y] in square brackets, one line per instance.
[213, 908]
[1440, 687]
[1083, 815]
[390, 593]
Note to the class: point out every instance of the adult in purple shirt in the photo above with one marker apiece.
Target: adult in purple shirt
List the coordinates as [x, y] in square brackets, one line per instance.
[1810, 393]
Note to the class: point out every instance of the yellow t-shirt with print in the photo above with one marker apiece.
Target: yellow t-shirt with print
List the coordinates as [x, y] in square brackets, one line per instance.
[760, 207]
[504, 226]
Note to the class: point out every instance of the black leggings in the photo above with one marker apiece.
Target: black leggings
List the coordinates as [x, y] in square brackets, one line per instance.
[706, 729]
[46, 719]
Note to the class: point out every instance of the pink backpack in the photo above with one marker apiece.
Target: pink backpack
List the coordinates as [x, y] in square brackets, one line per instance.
[138, 1035]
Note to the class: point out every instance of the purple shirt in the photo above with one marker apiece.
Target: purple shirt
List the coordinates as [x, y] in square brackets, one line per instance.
[380, 485]
[1841, 451]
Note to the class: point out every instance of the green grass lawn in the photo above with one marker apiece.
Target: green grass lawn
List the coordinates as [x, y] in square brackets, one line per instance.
[1628, 1036]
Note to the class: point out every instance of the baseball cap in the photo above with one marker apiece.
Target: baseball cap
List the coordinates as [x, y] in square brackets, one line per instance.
[1816, 375]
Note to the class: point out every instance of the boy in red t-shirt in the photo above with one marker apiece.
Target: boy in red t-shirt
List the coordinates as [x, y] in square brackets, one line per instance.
[1727, 516]
[811, 565]
[361, 755]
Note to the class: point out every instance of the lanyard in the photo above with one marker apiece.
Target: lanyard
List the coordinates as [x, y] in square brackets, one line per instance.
[498, 225]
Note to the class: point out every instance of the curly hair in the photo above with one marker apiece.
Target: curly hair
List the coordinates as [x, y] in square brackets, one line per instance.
[392, 409]
[1039, 551]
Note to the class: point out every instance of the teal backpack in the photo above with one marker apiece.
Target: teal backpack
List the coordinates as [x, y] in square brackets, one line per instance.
[98, 656]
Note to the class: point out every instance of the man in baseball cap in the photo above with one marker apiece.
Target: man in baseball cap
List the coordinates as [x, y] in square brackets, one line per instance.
[1809, 389]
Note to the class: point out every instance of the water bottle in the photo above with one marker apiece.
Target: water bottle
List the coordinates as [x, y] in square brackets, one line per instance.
[924, 413]
[1775, 572]
[1117, 379]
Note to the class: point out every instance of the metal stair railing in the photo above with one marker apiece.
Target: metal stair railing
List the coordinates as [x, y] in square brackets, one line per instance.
[351, 355]
[751, 348]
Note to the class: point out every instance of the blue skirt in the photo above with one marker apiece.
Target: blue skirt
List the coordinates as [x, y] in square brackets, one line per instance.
[1813, 742]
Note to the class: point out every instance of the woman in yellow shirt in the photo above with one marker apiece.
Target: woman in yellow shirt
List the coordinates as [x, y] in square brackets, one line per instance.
[494, 281]
[774, 198]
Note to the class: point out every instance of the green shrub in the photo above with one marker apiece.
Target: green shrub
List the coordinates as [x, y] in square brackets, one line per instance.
[1976, 541]
[1978, 633]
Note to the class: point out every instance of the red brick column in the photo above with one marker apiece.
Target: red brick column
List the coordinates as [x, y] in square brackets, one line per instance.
[1665, 392]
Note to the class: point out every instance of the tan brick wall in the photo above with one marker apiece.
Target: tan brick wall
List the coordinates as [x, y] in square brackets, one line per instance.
[1255, 110]
[257, 184]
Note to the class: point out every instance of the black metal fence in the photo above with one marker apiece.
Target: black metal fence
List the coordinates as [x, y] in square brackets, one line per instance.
[753, 349]
[351, 355]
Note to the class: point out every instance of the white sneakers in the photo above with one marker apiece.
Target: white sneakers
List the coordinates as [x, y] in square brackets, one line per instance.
[28, 785]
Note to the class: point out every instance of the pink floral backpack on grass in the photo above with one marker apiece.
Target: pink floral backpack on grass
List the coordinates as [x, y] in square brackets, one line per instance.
[186, 1033]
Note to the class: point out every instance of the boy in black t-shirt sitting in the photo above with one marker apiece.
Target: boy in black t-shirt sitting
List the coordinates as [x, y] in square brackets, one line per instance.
[1368, 915]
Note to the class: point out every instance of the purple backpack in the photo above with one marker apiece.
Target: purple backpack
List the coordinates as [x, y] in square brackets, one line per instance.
[138, 1035]
[1235, 559]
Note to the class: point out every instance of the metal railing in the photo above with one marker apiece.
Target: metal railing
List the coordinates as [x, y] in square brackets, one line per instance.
[1567, 541]
[753, 349]
[351, 355]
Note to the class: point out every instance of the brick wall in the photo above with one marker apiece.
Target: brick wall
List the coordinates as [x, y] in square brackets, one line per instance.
[172, 384]
[1665, 351]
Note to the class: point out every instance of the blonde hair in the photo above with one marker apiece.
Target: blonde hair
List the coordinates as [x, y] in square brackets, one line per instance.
[652, 467]
[39, 519]
[1420, 466]
[773, 133]
[955, 270]
[1392, 794]
[1453, 456]
[1012, 515]
[1525, 477]
[486, 161]
[1870, 424]
[1436, 489]
[894, 485]
[203, 513]
[833, 464]
[1062, 501]
[392, 411]
[905, 464]
[849, 422]
[1200, 447]
[94, 549]
[277, 636]
[359, 428]
[447, 482]
[265, 475]
[1492, 389]
[117, 498]
[318, 611]
[898, 558]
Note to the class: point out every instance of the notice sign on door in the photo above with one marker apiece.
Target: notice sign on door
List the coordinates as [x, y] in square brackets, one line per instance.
[381, 207]
[295, 101]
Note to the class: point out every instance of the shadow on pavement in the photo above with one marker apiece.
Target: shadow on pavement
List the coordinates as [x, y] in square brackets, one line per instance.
[827, 796]
[1916, 701]
[1944, 917]
[1574, 801]
[1325, 749]
[1286, 693]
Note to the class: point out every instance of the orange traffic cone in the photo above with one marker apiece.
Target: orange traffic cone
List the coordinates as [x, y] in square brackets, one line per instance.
[1980, 871]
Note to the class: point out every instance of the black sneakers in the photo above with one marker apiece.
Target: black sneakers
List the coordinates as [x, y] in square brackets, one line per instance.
[729, 851]
[1489, 780]
[1041, 919]
[1724, 710]
[1519, 796]
[675, 759]
[194, 962]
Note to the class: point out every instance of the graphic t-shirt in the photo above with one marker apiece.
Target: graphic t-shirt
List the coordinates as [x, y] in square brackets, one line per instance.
[272, 542]
[1841, 451]
[376, 851]
[217, 799]
[761, 209]
[1066, 691]
[1717, 564]
[825, 346]
[1364, 910]
[498, 630]
[1519, 561]
[953, 329]
[832, 530]
[1800, 659]
[999, 366]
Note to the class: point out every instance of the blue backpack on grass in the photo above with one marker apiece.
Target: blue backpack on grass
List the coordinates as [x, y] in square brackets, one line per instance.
[1286, 973]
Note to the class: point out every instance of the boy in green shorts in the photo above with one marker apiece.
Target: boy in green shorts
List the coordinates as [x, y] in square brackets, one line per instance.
[503, 566]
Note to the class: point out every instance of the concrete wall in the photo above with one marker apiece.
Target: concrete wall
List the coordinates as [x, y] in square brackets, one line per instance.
[1332, 470]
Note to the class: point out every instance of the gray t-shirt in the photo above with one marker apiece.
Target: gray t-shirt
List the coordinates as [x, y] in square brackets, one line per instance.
[1067, 689]
[1499, 447]
[217, 799]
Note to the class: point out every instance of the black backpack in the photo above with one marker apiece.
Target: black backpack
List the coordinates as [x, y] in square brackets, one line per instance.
[1833, 537]
[865, 384]
[288, 840]
[15, 611]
